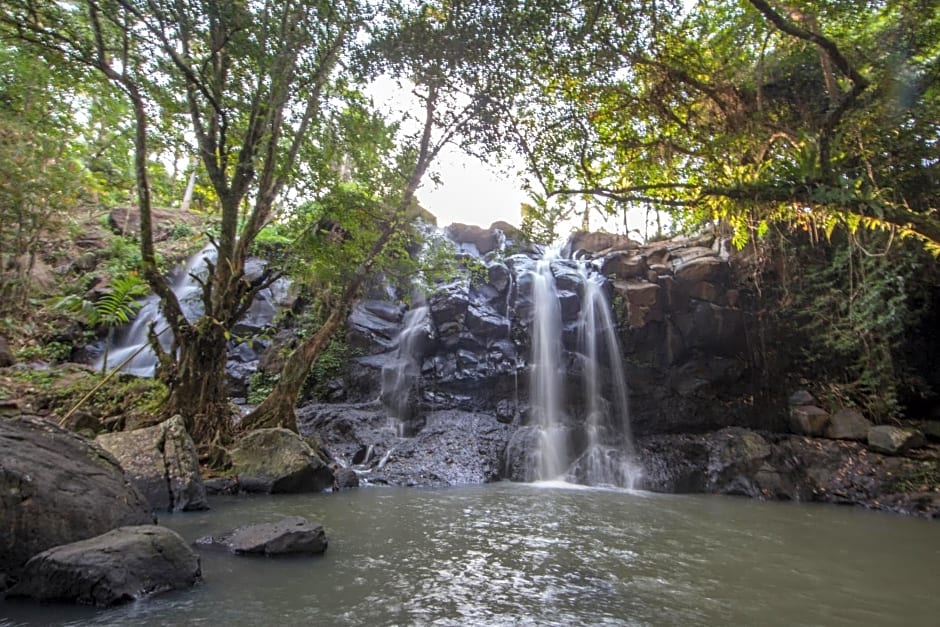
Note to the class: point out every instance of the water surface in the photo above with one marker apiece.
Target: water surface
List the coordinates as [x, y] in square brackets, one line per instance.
[522, 554]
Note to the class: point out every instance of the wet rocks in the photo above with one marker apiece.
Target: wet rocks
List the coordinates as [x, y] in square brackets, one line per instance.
[789, 467]
[291, 535]
[279, 461]
[57, 487]
[117, 567]
[161, 462]
[345, 479]
[452, 447]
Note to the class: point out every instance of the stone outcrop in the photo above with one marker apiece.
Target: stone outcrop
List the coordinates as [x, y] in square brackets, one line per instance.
[56, 487]
[778, 466]
[453, 448]
[893, 440]
[683, 328]
[279, 461]
[117, 567]
[291, 535]
[162, 463]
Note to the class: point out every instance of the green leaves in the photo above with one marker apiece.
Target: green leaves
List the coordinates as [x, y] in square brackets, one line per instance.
[118, 305]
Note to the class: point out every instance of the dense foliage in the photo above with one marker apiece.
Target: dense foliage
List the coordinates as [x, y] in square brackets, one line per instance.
[816, 121]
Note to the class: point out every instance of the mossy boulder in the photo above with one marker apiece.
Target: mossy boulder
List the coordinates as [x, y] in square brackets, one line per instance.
[279, 461]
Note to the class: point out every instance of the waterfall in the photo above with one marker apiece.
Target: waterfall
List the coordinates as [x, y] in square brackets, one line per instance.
[546, 381]
[595, 448]
[133, 337]
[399, 376]
[607, 422]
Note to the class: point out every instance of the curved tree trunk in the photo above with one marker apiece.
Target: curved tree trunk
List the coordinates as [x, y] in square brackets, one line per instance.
[277, 410]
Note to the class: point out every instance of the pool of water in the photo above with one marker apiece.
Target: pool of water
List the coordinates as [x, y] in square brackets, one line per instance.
[524, 554]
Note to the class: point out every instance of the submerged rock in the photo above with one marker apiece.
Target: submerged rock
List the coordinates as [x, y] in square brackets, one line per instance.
[346, 478]
[57, 487]
[279, 461]
[116, 567]
[162, 463]
[288, 536]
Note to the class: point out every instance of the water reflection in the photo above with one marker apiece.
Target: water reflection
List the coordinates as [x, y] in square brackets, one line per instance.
[512, 554]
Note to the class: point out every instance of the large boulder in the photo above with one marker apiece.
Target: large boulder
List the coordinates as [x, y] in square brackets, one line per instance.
[116, 567]
[57, 487]
[288, 536]
[279, 461]
[809, 420]
[848, 424]
[893, 440]
[472, 238]
[162, 462]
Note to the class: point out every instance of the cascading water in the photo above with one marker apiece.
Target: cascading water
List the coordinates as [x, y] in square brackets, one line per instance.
[598, 451]
[546, 380]
[134, 338]
[607, 422]
[399, 376]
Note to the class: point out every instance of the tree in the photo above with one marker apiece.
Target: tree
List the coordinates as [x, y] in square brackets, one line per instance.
[41, 173]
[359, 226]
[740, 112]
[251, 79]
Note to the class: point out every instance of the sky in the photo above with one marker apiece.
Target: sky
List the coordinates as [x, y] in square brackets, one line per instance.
[471, 192]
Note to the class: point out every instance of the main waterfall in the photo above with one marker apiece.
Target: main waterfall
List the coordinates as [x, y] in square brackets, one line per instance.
[588, 442]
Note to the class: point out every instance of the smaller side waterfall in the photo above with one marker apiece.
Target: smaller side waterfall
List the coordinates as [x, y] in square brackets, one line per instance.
[399, 376]
[607, 422]
[133, 338]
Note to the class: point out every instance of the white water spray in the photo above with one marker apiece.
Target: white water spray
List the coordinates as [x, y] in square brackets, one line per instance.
[399, 377]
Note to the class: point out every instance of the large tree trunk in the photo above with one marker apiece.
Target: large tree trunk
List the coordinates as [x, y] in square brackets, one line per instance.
[277, 410]
[197, 388]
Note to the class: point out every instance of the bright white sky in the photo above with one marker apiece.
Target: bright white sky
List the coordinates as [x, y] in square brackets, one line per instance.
[472, 192]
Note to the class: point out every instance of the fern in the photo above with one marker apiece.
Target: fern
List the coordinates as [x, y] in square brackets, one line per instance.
[120, 304]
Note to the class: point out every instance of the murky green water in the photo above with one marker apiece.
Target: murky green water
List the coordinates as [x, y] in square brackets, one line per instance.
[513, 554]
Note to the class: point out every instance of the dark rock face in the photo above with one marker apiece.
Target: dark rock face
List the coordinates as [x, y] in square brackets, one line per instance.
[454, 447]
[279, 461]
[161, 461]
[291, 535]
[56, 487]
[790, 467]
[683, 331]
[117, 567]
